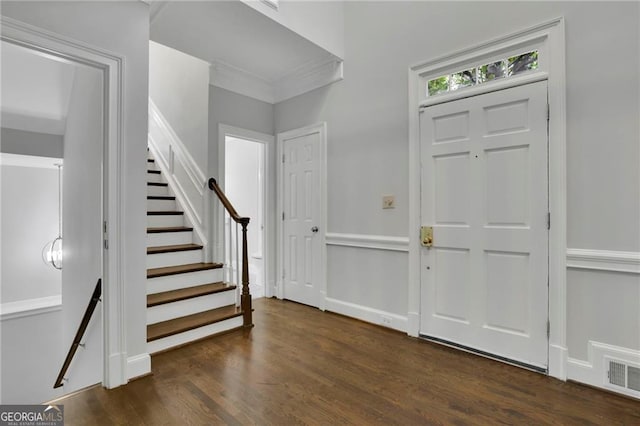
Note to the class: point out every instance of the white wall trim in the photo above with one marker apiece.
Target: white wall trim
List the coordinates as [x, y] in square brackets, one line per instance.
[240, 81]
[34, 161]
[138, 365]
[268, 242]
[320, 128]
[549, 39]
[378, 242]
[30, 307]
[49, 44]
[604, 260]
[307, 77]
[367, 314]
[593, 370]
[169, 152]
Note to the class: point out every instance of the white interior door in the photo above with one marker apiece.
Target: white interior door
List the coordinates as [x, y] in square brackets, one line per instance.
[485, 193]
[303, 233]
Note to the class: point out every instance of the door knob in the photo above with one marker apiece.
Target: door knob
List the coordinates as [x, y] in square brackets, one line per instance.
[314, 229]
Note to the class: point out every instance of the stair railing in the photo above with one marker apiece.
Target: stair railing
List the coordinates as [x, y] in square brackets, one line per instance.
[243, 222]
[91, 307]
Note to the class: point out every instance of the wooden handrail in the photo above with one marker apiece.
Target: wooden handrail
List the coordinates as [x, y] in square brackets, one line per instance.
[213, 185]
[245, 296]
[95, 298]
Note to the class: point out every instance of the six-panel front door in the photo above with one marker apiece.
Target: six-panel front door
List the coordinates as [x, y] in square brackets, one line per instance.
[302, 237]
[484, 189]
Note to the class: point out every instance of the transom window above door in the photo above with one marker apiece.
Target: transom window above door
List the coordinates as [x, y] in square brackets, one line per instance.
[504, 68]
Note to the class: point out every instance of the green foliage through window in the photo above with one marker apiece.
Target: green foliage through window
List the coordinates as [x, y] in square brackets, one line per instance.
[500, 69]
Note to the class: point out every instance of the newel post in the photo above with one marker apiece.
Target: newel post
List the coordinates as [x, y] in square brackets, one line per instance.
[245, 298]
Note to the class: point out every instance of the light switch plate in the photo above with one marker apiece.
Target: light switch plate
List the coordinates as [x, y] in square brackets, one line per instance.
[388, 202]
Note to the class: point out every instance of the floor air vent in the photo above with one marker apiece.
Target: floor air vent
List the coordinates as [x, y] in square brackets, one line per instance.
[633, 378]
[625, 376]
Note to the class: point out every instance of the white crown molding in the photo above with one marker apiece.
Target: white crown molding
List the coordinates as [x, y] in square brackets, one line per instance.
[307, 77]
[604, 260]
[377, 242]
[19, 160]
[240, 81]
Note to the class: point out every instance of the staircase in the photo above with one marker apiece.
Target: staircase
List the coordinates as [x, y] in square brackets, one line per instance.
[187, 299]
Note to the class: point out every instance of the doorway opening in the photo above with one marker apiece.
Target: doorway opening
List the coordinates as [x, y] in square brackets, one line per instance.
[245, 175]
[52, 191]
[244, 185]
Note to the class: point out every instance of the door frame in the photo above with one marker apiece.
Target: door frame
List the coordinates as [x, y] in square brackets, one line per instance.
[268, 191]
[549, 39]
[321, 129]
[53, 45]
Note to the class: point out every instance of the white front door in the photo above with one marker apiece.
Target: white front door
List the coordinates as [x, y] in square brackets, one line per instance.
[303, 233]
[484, 190]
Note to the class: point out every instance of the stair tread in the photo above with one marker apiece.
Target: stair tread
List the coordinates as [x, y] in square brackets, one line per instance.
[190, 322]
[155, 172]
[187, 293]
[164, 212]
[181, 269]
[169, 229]
[160, 197]
[173, 248]
[157, 184]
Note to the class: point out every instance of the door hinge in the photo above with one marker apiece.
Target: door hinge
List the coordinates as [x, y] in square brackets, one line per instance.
[548, 112]
[548, 220]
[548, 329]
[282, 158]
[104, 230]
[282, 215]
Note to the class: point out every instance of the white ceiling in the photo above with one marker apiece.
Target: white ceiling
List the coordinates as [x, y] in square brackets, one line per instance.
[233, 34]
[35, 90]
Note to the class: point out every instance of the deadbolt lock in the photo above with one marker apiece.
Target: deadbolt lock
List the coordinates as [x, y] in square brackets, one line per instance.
[426, 236]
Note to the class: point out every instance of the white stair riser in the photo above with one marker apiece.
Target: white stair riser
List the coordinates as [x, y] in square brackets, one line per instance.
[157, 190]
[160, 260]
[178, 281]
[165, 220]
[169, 238]
[195, 334]
[182, 308]
[157, 205]
[152, 166]
[154, 177]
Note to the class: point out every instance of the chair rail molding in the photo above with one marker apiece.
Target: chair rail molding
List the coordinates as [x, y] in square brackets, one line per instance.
[604, 260]
[367, 241]
[183, 174]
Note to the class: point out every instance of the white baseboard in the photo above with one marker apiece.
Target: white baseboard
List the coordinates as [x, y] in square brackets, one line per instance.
[594, 370]
[558, 362]
[413, 327]
[138, 365]
[364, 313]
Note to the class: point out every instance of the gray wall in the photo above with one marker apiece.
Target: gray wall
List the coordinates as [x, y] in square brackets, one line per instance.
[122, 28]
[15, 141]
[368, 138]
[178, 86]
[232, 109]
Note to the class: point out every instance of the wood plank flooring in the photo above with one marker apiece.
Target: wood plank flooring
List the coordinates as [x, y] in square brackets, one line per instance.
[299, 365]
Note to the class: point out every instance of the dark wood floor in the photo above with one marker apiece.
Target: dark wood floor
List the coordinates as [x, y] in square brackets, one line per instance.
[302, 366]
